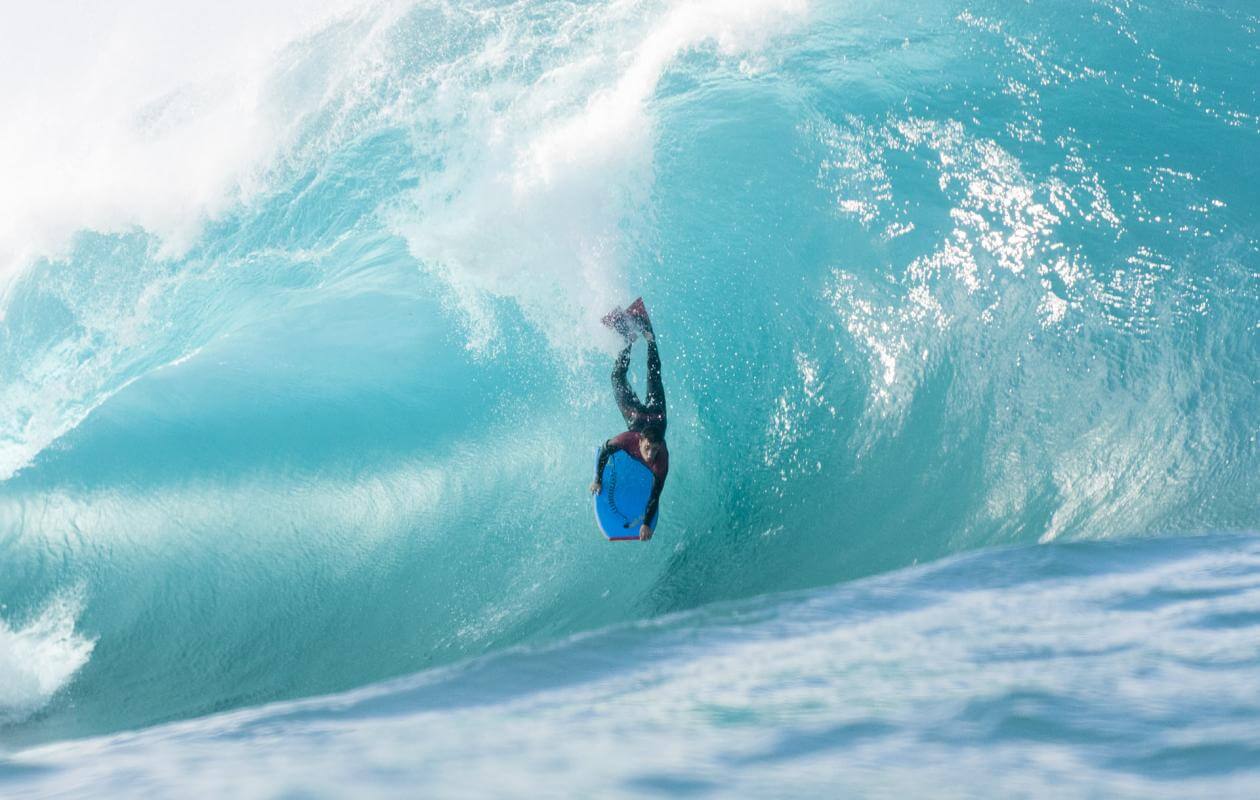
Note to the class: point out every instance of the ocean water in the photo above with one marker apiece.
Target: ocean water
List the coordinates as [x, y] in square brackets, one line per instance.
[301, 369]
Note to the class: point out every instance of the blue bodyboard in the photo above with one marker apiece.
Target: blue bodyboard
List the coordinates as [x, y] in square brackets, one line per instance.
[619, 506]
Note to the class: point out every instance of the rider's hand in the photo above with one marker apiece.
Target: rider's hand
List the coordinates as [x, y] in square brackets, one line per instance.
[596, 487]
[645, 533]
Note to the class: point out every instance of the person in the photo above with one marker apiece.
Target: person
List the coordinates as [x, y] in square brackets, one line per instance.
[644, 439]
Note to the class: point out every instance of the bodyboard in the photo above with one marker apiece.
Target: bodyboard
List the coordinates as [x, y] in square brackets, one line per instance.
[619, 506]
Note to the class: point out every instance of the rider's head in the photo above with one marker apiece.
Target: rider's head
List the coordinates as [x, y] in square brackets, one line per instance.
[652, 442]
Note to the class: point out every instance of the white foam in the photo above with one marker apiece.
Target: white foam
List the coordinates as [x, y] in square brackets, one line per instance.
[138, 114]
[37, 660]
[533, 209]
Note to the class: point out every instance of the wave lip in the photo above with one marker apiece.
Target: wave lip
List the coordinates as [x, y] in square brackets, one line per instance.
[39, 659]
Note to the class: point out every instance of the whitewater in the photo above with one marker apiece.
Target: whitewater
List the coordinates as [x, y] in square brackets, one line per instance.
[302, 370]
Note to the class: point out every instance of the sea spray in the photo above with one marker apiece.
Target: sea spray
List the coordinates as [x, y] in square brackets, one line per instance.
[38, 658]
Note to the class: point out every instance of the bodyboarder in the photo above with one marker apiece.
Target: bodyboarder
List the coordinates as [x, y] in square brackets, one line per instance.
[644, 439]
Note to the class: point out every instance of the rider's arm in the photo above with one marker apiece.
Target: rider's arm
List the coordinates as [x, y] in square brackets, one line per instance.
[658, 483]
[604, 453]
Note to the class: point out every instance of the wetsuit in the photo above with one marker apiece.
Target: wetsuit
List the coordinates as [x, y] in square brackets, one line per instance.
[639, 416]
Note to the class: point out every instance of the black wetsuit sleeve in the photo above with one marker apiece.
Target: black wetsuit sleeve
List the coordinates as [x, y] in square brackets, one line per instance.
[654, 500]
[604, 453]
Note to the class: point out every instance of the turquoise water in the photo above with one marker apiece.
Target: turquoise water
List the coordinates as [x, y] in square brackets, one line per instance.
[314, 410]
[1076, 670]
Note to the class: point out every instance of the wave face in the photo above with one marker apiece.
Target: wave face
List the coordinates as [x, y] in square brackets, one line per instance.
[308, 400]
[1084, 669]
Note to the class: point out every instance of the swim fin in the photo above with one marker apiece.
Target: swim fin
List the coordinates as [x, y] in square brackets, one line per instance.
[637, 312]
[621, 323]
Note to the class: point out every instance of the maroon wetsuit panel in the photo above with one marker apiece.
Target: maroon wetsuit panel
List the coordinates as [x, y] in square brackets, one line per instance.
[629, 441]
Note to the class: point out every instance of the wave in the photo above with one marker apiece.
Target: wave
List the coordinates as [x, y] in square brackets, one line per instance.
[318, 412]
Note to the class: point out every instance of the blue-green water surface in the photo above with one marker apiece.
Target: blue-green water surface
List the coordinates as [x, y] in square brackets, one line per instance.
[974, 281]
